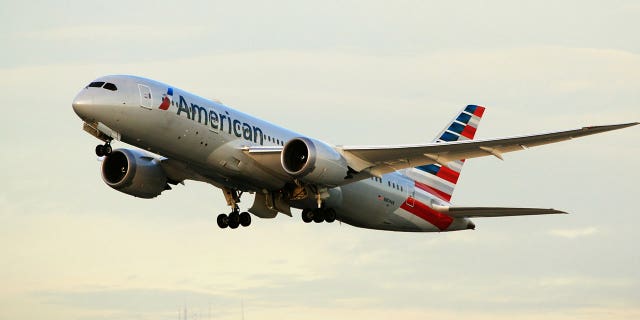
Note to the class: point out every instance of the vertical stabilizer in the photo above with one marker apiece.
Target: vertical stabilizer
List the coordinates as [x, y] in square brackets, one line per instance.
[440, 180]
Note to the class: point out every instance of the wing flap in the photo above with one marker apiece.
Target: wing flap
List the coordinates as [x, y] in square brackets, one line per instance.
[379, 160]
[384, 159]
[490, 212]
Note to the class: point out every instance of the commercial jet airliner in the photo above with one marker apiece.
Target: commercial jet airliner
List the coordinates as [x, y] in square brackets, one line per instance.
[186, 137]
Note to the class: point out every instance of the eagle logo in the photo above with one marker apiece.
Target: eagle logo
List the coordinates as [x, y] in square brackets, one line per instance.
[167, 98]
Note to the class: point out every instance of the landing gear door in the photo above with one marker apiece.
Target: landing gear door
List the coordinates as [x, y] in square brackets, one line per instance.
[146, 101]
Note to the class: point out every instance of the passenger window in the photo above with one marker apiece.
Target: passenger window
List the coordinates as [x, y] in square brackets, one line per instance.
[96, 84]
[110, 86]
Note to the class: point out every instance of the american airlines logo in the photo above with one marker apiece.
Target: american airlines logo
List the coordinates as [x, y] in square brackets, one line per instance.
[167, 99]
[216, 121]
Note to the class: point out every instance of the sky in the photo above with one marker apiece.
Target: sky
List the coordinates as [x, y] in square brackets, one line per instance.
[347, 72]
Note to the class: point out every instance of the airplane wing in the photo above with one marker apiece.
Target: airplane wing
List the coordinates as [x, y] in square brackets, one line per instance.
[380, 160]
[490, 212]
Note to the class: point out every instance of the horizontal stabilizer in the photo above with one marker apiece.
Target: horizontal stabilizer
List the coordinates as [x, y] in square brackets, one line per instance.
[481, 212]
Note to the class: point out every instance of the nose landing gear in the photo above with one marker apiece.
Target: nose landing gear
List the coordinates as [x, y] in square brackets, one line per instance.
[103, 150]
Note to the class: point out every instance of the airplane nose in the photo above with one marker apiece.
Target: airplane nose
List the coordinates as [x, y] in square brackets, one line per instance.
[82, 103]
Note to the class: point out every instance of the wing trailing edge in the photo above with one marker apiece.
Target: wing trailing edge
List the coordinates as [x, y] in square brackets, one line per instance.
[378, 160]
[490, 212]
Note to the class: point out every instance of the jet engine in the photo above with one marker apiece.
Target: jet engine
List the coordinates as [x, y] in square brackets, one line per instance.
[134, 173]
[314, 161]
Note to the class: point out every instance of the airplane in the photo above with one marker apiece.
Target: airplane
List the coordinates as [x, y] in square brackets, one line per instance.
[181, 136]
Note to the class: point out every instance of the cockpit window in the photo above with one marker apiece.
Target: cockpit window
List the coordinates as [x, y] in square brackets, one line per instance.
[110, 86]
[102, 84]
[96, 84]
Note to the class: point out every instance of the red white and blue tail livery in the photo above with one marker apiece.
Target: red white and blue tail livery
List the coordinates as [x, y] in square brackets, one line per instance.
[440, 179]
[187, 137]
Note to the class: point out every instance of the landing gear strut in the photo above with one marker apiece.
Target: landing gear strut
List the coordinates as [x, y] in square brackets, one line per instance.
[319, 215]
[235, 218]
[103, 150]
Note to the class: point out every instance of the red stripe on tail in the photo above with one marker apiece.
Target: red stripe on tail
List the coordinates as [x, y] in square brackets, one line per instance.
[468, 132]
[438, 219]
[440, 194]
[447, 174]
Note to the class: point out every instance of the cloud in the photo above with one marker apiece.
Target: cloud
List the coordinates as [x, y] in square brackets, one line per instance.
[584, 282]
[122, 32]
[574, 233]
[141, 303]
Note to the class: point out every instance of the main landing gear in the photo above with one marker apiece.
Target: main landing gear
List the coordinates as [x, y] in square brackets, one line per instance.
[235, 218]
[319, 215]
[103, 150]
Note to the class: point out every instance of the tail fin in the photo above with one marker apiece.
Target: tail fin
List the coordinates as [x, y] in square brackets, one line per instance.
[440, 180]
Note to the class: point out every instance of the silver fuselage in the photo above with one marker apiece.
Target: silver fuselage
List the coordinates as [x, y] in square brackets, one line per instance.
[209, 139]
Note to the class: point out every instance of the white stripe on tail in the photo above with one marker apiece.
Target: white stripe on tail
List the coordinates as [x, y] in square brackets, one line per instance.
[439, 180]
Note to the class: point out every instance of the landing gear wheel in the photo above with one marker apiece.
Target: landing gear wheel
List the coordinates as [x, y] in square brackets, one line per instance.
[103, 149]
[245, 219]
[100, 150]
[234, 220]
[307, 215]
[223, 221]
[318, 216]
[329, 215]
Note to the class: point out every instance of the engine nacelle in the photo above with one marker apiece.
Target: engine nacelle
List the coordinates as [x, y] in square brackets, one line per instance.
[134, 173]
[314, 161]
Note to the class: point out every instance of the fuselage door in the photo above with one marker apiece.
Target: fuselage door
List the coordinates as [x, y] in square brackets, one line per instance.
[411, 194]
[146, 101]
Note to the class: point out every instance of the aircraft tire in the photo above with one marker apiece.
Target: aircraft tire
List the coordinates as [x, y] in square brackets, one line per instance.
[307, 215]
[318, 216]
[245, 219]
[223, 221]
[329, 215]
[234, 220]
[100, 150]
[107, 149]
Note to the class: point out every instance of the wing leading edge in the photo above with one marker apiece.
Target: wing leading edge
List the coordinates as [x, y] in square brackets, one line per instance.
[379, 160]
[384, 159]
